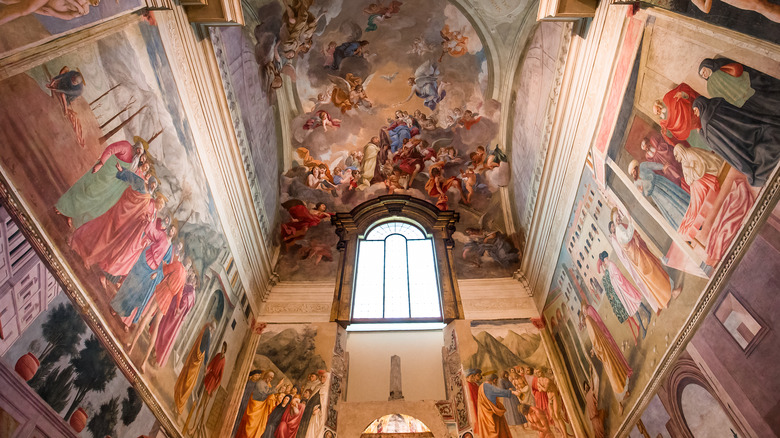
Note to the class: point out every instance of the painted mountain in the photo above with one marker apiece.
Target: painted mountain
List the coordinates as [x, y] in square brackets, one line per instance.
[514, 349]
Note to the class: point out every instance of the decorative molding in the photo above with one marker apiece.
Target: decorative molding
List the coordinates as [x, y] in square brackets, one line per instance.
[215, 12]
[552, 105]
[238, 126]
[24, 405]
[339, 371]
[454, 378]
[577, 416]
[197, 72]
[158, 5]
[523, 280]
[572, 130]
[299, 308]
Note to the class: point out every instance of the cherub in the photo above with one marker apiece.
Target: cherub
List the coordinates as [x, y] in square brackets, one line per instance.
[322, 118]
[483, 162]
[349, 92]
[328, 53]
[437, 186]
[393, 181]
[378, 11]
[421, 47]
[469, 119]
[469, 181]
[453, 42]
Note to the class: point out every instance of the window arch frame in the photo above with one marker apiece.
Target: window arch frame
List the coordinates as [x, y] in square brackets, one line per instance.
[432, 222]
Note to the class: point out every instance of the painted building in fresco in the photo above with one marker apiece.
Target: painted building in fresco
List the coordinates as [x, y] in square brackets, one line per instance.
[178, 257]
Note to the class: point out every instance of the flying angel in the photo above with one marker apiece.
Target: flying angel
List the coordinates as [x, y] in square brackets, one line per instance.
[350, 92]
[425, 85]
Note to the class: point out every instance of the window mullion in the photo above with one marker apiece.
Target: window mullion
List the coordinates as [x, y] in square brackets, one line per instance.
[384, 276]
[408, 285]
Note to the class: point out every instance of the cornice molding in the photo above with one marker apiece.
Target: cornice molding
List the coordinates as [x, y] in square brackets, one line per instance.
[195, 67]
[238, 126]
[571, 133]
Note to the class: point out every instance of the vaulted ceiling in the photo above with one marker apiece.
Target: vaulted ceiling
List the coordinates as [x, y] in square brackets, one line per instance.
[335, 89]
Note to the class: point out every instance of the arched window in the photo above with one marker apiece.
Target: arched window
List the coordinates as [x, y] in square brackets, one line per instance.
[396, 263]
[396, 274]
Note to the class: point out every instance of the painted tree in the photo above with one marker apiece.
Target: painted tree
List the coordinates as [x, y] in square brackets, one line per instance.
[104, 422]
[62, 330]
[94, 369]
[56, 387]
[131, 406]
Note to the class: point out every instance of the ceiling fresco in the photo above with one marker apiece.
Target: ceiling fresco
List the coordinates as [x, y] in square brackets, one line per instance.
[391, 99]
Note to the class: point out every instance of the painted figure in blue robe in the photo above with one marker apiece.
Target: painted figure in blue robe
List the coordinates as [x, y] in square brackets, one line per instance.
[402, 128]
[68, 85]
[672, 201]
[146, 274]
[349, 49]
[749, 141]
[425, 85]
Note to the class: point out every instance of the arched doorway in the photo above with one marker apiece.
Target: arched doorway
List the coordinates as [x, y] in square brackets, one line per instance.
[397, 426]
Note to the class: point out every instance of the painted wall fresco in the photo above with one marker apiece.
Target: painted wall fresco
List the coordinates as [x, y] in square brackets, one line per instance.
[50, 346]
[757, 18]
[77, 376]
[658, 210]
[391, 99]
[533, 96]
[28, 22]
[508, 382]
[286, 394]
[736, 342]
[127, 206]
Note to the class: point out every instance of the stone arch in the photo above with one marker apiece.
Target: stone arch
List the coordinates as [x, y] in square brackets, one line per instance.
[684, 373]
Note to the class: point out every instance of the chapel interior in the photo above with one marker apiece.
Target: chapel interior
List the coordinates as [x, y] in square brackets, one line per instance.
[559, 95]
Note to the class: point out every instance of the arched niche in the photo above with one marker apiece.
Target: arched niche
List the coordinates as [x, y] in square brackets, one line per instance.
[439, 225]
[686, 379]
[397, 425]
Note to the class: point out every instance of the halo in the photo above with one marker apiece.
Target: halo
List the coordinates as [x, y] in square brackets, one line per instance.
[137, 139]
[83, 79]
[631, 166]
[613, 213]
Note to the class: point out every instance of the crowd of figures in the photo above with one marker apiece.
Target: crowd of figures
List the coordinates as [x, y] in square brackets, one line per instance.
[120, 224]
[282, 409]
[700, 137]
[116, 213]
[521, 396]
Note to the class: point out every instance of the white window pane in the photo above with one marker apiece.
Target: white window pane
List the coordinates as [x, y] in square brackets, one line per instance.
[368, 284]
[396, 281]
[422, 280]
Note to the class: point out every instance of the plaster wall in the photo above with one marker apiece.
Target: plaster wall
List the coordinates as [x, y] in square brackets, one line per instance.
[369, 365]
